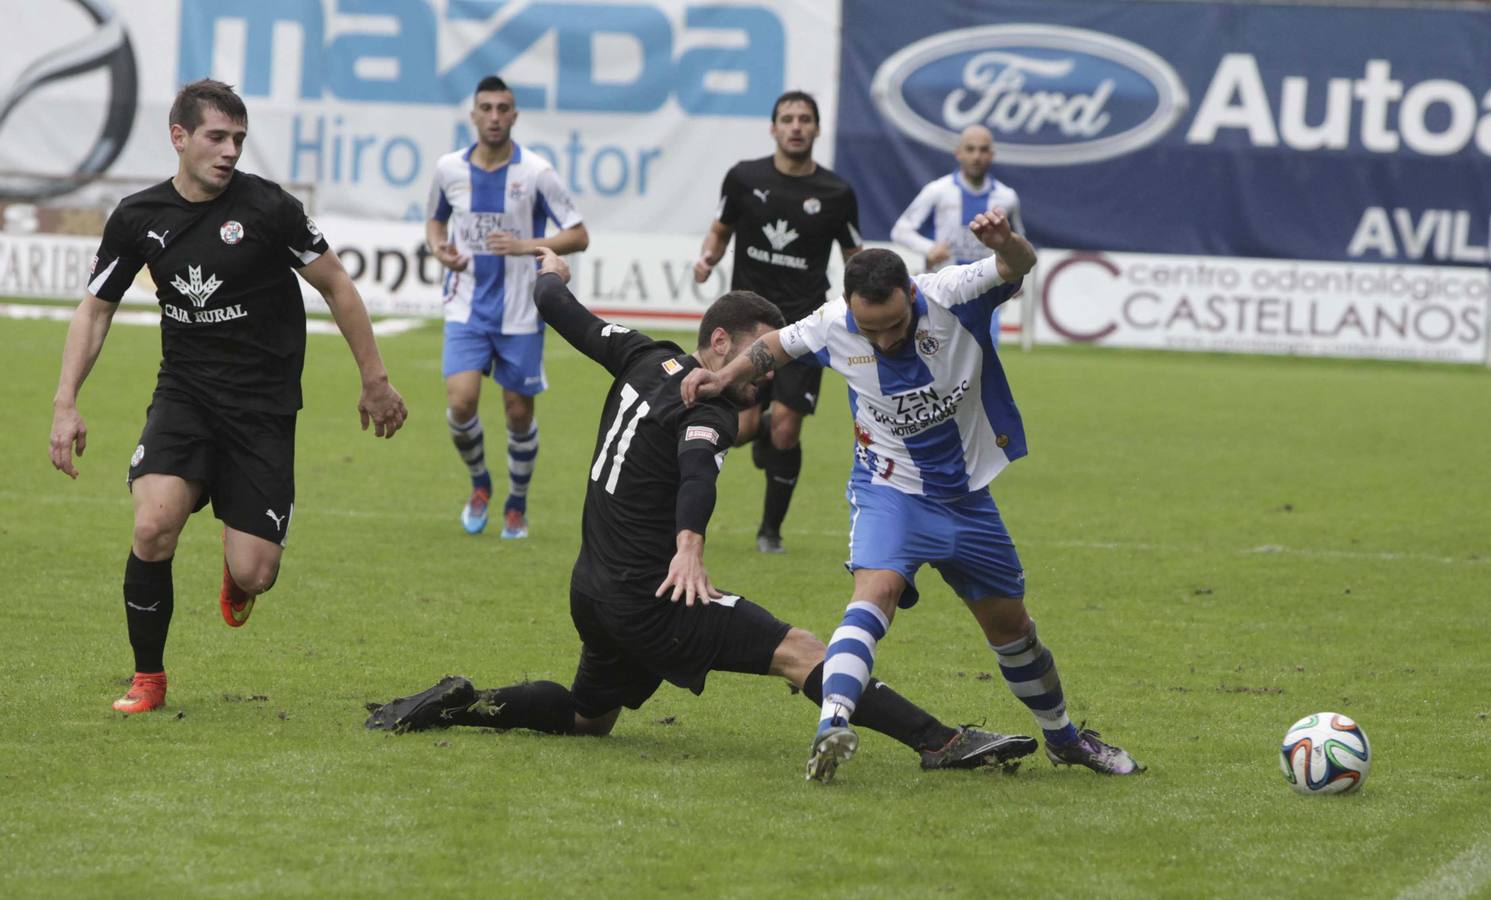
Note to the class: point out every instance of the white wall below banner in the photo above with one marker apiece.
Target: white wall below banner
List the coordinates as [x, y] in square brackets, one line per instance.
[1215, 304]
[643, 280]
[1232, 305]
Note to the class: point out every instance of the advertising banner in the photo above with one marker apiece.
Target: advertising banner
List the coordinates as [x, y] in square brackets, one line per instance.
[1293, 131]
[1226, 304]
[640, 106]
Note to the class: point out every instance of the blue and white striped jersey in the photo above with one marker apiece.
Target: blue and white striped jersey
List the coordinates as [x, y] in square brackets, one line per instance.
[520, 198]
[951, 204]
[937, 417]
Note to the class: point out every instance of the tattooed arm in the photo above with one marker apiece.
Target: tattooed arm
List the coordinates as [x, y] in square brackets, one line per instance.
[764, 356]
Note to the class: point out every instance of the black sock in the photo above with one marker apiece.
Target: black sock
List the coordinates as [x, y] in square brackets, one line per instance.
[149, 599]
[782, 468]
[882, 709]
[761, 448]
[535, 705]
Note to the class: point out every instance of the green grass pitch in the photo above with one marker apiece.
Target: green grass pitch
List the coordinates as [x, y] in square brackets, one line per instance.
[1215, 546]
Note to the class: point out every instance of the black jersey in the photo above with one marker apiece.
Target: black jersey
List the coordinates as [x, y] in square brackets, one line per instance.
[785, 226]
[232, 317]
[647, 444]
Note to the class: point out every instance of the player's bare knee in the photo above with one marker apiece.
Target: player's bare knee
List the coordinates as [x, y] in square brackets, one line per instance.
[258, 577]
[598, 727]
[461, 410]
[155, 536]
[796, 655]
[519, 411]
[786, 432]
[1004, 619]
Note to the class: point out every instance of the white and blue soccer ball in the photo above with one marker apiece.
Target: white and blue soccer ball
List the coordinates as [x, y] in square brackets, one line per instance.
[1326, 753]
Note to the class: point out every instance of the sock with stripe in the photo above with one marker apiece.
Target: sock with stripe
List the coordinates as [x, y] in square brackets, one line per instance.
[1030, 673]
[149, 600]
[849, 660]
[535, 705]
[470, 443]
[882, 709]
[522, 450]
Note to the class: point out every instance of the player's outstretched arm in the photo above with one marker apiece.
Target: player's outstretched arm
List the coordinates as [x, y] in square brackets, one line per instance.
[85, 340]
[608, 344]
[765, 355]
[378, 403]
[1015, 255]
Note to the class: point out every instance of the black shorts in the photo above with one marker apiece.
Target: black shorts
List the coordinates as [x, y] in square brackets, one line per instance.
[244, 459]
[795, 386]
[634, 643]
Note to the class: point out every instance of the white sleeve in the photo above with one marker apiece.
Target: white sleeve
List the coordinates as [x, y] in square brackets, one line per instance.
[906, 231]
[953, 285]
[561, 205]
[1016, 223]
[810, 334]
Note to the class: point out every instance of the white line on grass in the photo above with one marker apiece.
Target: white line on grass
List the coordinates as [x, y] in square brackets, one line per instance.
[1462, 876]
[382, 328]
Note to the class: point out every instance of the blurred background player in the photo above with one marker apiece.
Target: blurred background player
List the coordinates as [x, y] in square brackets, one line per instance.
[648, 501]
[488, 210]
[945, 207]
[785, 211]
[934, 423]
[222, 247]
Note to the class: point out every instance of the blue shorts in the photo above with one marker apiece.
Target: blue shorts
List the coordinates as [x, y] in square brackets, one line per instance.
[964, 539]
[515, 361]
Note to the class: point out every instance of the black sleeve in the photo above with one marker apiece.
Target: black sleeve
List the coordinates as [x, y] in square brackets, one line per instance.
[705, 433]
[118, 259]
[302, 239]
[608, 344]
[697, 471]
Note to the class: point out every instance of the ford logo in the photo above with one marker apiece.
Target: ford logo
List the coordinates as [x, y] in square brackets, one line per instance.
[1052, 96]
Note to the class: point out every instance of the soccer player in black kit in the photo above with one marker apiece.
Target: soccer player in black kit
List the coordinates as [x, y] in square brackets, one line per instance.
[785, 212]
[640, 596]
[223, 247]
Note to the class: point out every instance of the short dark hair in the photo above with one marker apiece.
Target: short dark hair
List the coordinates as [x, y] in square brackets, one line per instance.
[739, 312]
[186, 111]
[490, 83]
[795, 97]
[874, 274]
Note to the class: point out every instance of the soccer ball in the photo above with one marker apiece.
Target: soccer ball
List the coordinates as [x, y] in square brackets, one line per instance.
[1326, 753]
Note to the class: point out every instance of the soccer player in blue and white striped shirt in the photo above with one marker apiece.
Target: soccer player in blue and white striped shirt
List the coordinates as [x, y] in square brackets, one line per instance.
[934, 422]
[489, 206]
[949, 203]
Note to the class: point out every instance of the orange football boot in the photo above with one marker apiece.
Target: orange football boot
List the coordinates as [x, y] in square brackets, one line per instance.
[146, 692]
[234, 601]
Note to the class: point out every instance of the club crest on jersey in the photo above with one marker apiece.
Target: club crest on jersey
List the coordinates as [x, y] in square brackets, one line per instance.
[812, 206]
[516, 190]
[926, 344]
[672, 366]
[231, 232]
